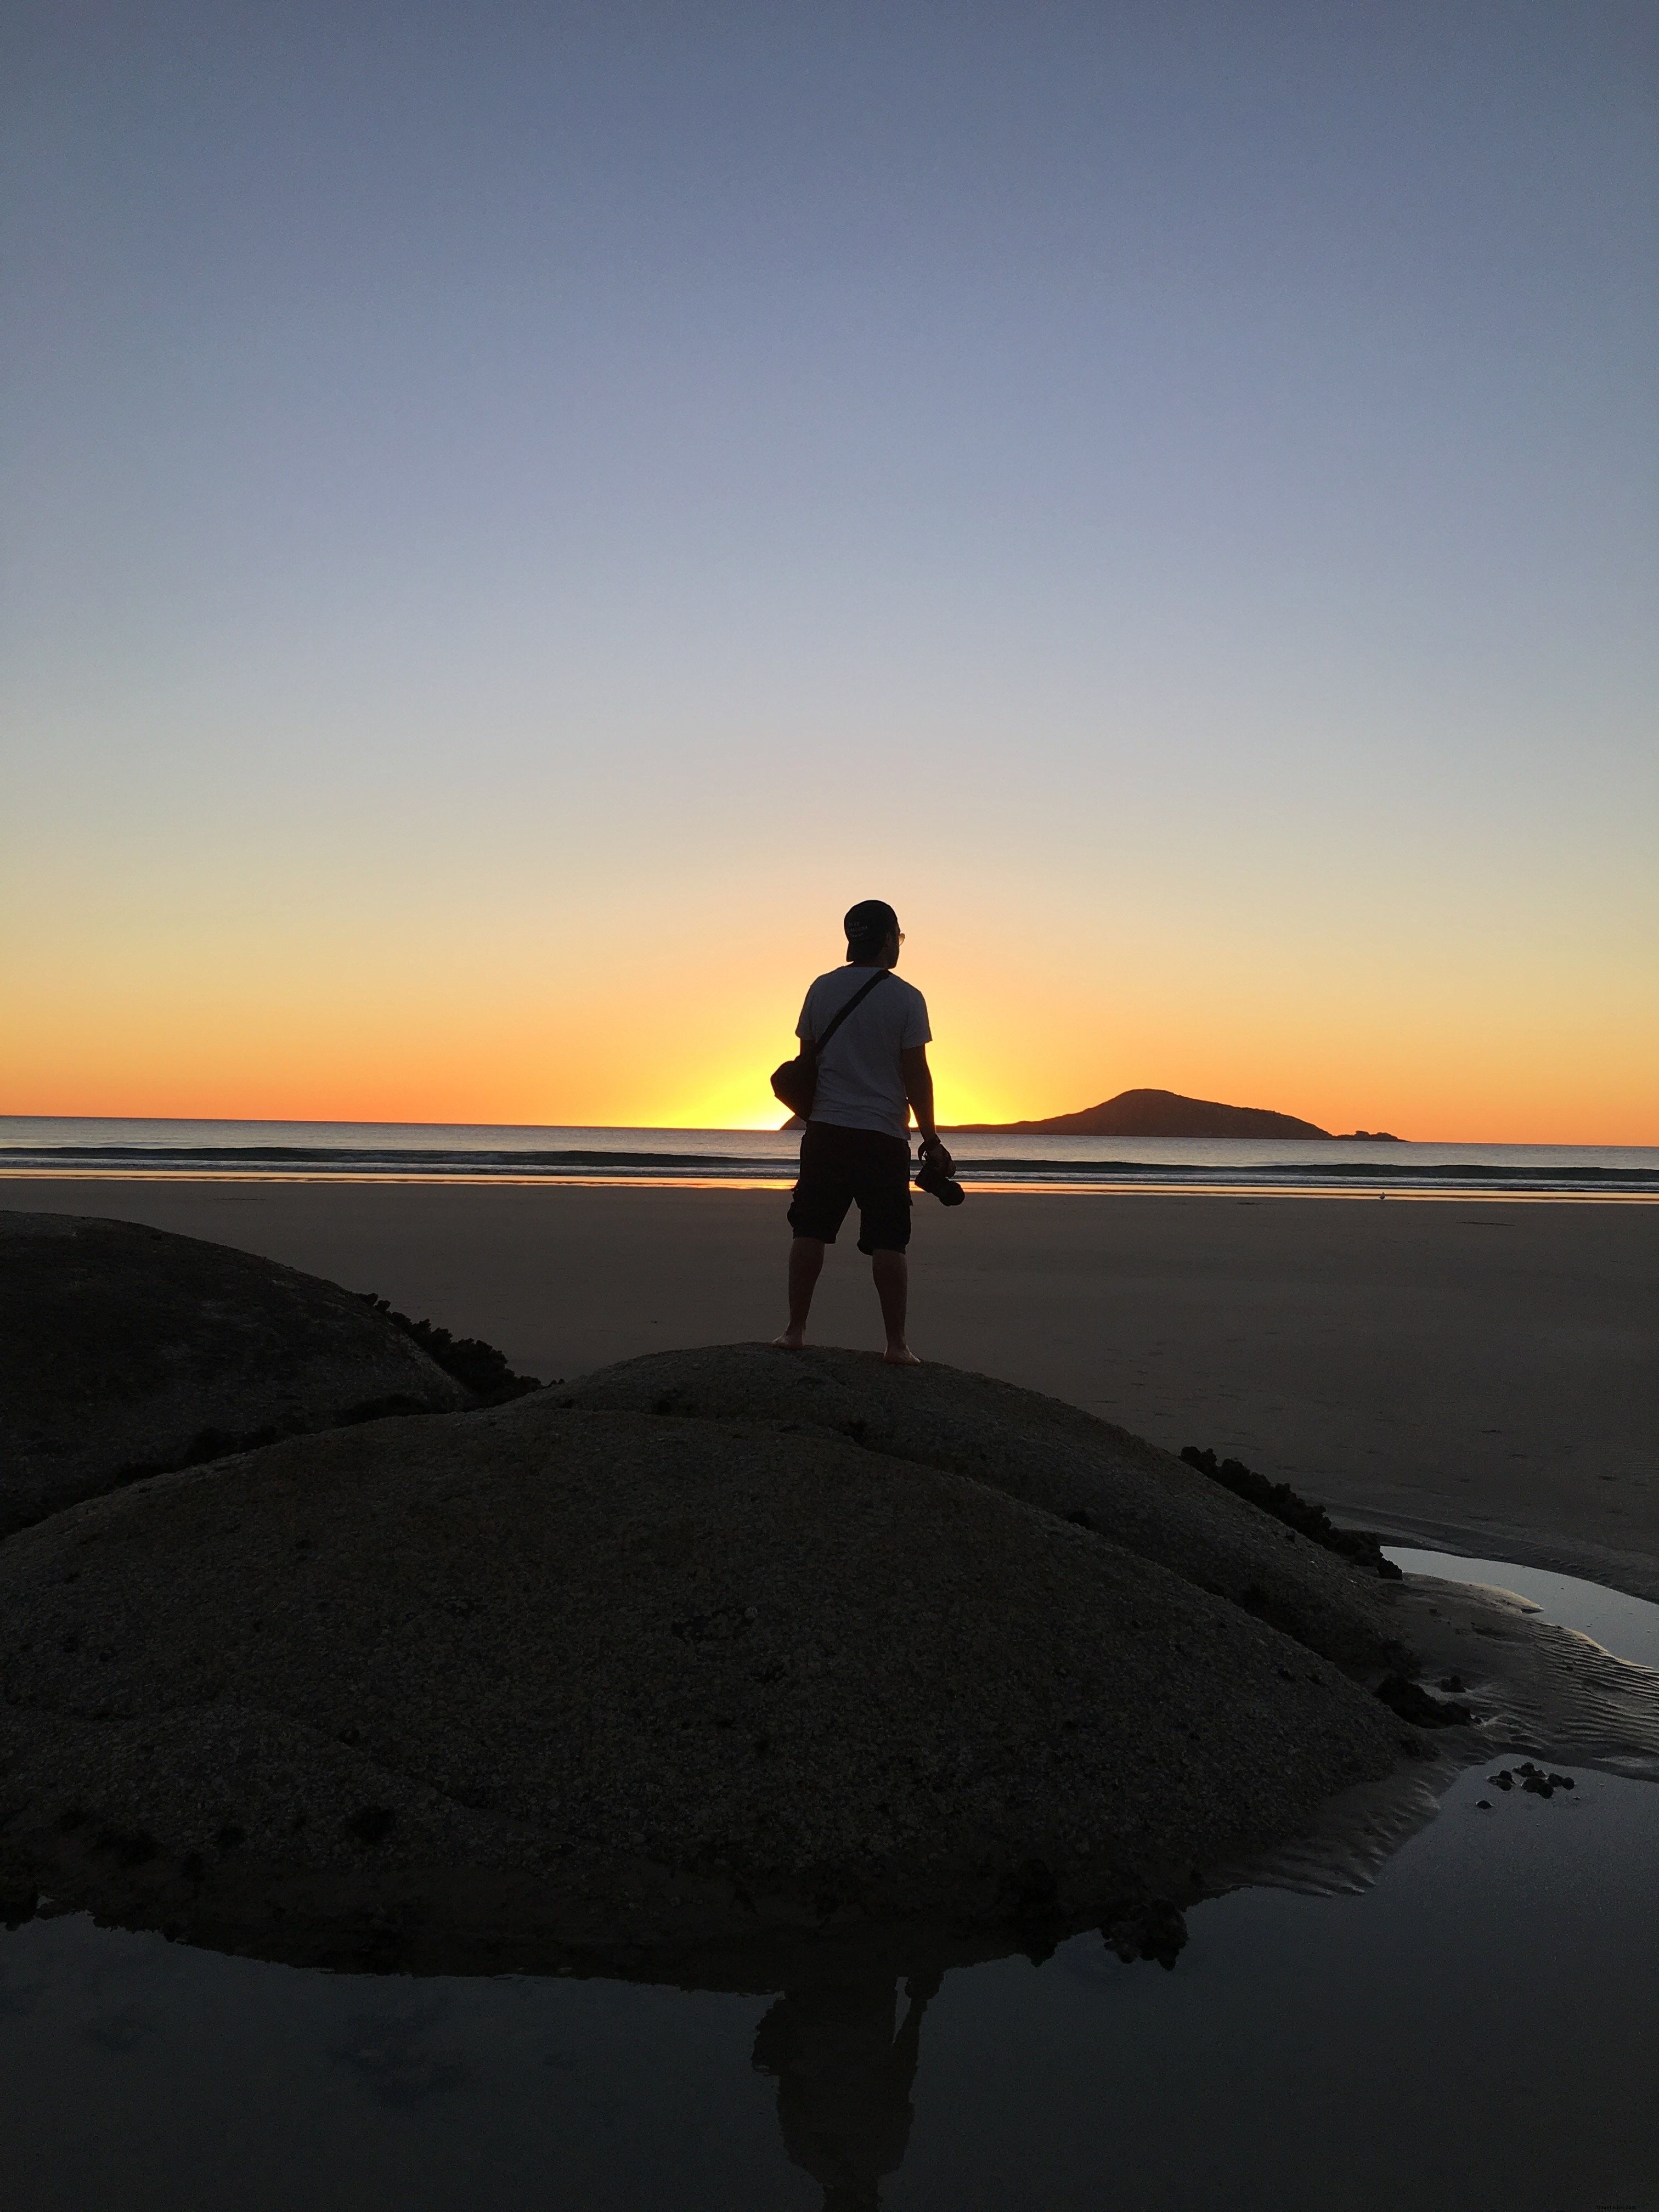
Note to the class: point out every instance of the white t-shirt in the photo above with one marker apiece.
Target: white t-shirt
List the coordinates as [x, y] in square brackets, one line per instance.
[861, 1085]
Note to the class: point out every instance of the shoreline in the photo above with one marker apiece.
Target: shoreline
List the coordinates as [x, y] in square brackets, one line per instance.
[982, 1186]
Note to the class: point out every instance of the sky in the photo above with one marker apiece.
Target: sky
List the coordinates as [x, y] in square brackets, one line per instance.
[512, 517]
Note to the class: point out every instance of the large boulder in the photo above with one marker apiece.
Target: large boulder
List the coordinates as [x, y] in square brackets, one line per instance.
[540, 1675]
[1034, 1447]
[124, 1350]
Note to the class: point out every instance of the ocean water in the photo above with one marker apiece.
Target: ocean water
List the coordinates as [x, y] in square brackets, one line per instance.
[1479, 2029]
[429, 1151]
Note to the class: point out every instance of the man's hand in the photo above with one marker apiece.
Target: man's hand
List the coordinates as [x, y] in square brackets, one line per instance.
[934, 1153]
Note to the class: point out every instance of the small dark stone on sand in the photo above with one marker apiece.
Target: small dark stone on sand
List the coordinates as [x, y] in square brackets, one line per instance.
[1533, 1778]
[1483, 1804]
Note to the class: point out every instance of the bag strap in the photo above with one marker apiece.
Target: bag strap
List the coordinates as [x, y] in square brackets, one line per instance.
[857, 999]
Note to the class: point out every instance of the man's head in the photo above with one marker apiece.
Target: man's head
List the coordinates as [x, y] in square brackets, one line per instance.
[873, 936]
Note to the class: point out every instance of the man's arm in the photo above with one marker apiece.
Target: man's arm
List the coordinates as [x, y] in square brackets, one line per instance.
[919, 1087]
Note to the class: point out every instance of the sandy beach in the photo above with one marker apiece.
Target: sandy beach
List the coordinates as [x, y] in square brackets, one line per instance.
[1477, 1376]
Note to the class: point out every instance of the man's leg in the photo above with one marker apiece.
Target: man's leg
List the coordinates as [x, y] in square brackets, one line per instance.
[805, 1265]
[892, 1272]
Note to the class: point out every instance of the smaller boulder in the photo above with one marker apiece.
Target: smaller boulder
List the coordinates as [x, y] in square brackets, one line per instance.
[125, 1351]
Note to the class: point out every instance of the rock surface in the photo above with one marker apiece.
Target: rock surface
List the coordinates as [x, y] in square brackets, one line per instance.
[124, 1350]
[1036, 1448]
[460, 1688]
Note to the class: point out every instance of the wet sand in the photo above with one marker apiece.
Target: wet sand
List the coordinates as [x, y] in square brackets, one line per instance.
[1478, 1375]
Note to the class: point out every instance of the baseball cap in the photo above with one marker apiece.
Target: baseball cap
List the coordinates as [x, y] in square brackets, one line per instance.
[868, 924]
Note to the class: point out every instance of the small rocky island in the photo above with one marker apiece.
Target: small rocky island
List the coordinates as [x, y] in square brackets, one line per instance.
[706, 1649]
[1167, 1114]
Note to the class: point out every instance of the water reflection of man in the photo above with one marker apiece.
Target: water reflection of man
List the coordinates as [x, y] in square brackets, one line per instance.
[844, 2078]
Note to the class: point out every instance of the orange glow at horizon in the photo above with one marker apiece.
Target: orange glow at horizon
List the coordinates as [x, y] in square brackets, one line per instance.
[691, 1051]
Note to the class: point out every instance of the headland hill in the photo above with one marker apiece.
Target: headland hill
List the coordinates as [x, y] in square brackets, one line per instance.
[1167, 1114]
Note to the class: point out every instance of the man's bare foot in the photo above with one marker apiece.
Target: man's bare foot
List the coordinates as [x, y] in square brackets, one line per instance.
[900, 1355]
[792, 1339]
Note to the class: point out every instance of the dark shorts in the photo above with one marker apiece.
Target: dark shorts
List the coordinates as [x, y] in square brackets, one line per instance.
[839, 1165]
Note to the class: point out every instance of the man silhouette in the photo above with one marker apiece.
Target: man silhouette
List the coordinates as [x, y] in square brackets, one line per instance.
[856, 1144]
[844, 2078]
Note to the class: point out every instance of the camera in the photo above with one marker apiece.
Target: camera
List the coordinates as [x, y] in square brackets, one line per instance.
[933, 1175]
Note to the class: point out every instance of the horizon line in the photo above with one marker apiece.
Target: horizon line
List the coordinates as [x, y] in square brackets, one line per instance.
[770, 1129]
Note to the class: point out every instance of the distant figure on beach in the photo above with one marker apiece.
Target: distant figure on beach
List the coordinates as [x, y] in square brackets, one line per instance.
[856, 1143]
